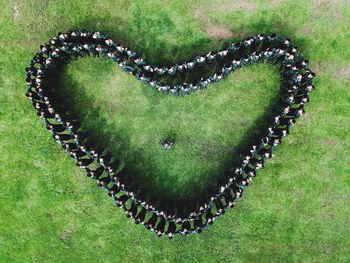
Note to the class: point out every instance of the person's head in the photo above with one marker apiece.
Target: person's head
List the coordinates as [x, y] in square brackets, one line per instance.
[171, 235]
[267, 155]
[259, 165]
[277, 141]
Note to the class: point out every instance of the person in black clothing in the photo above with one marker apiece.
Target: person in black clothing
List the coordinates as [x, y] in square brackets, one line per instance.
[94, 173]
[257, 164]
[31, 70]
[69, 147]
[229, 200]
[220, 208]
[121, 200]
[282, 131]
[245, 182]
[151, 222]
[114, 190]
[62, 137]
[132, 211]
[140, 217]
[103, 182]
[56, 128]
[33, 96]
[45, 114]
[209, 217]
[160, 227]
[265, 154]
[186, 228]
[203, 207]
[171, 213]
[40, 106]
[68, 124]
[171, 229]
[84, 162]
[302, 100]
[198, 224]
[192, 215]
[77, 154]
[179, 220]
[287, 121]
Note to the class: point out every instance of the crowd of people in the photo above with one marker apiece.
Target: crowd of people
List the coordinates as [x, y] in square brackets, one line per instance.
[295, 87]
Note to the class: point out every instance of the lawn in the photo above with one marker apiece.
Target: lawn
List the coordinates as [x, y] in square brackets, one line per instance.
[295, 210]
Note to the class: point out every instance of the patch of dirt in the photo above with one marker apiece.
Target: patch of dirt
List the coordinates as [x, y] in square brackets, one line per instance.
[331, 142]
[329, 7]
[231, 6]
[215, 29]
[307, 117]
[68, 232]
[218, 31]
[319, 66]
[336, 72]
[273, 3]
[343, 73]
[227, 6]
[112, 94]
[15, 11]
[304, 119]
[240, 5]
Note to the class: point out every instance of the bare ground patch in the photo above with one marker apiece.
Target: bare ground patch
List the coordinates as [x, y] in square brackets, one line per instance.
[273, 3]
[305, 118]
[227, 6]
[331, 142]
[319, 66]
[218, 31]
[232, 6]
[330, 8]
[67, 232]
[334, 71]
[240, 5]
[327, 9]
[221, 31]
[15, 11]
[343, 73]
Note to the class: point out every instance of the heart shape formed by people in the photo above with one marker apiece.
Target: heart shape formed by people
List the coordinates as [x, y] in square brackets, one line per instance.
[296, 84]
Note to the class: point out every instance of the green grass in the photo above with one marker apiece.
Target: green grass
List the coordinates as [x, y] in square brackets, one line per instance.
[295, 210]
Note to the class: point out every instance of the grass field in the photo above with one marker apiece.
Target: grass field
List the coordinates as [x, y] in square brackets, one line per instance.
[296, 210]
